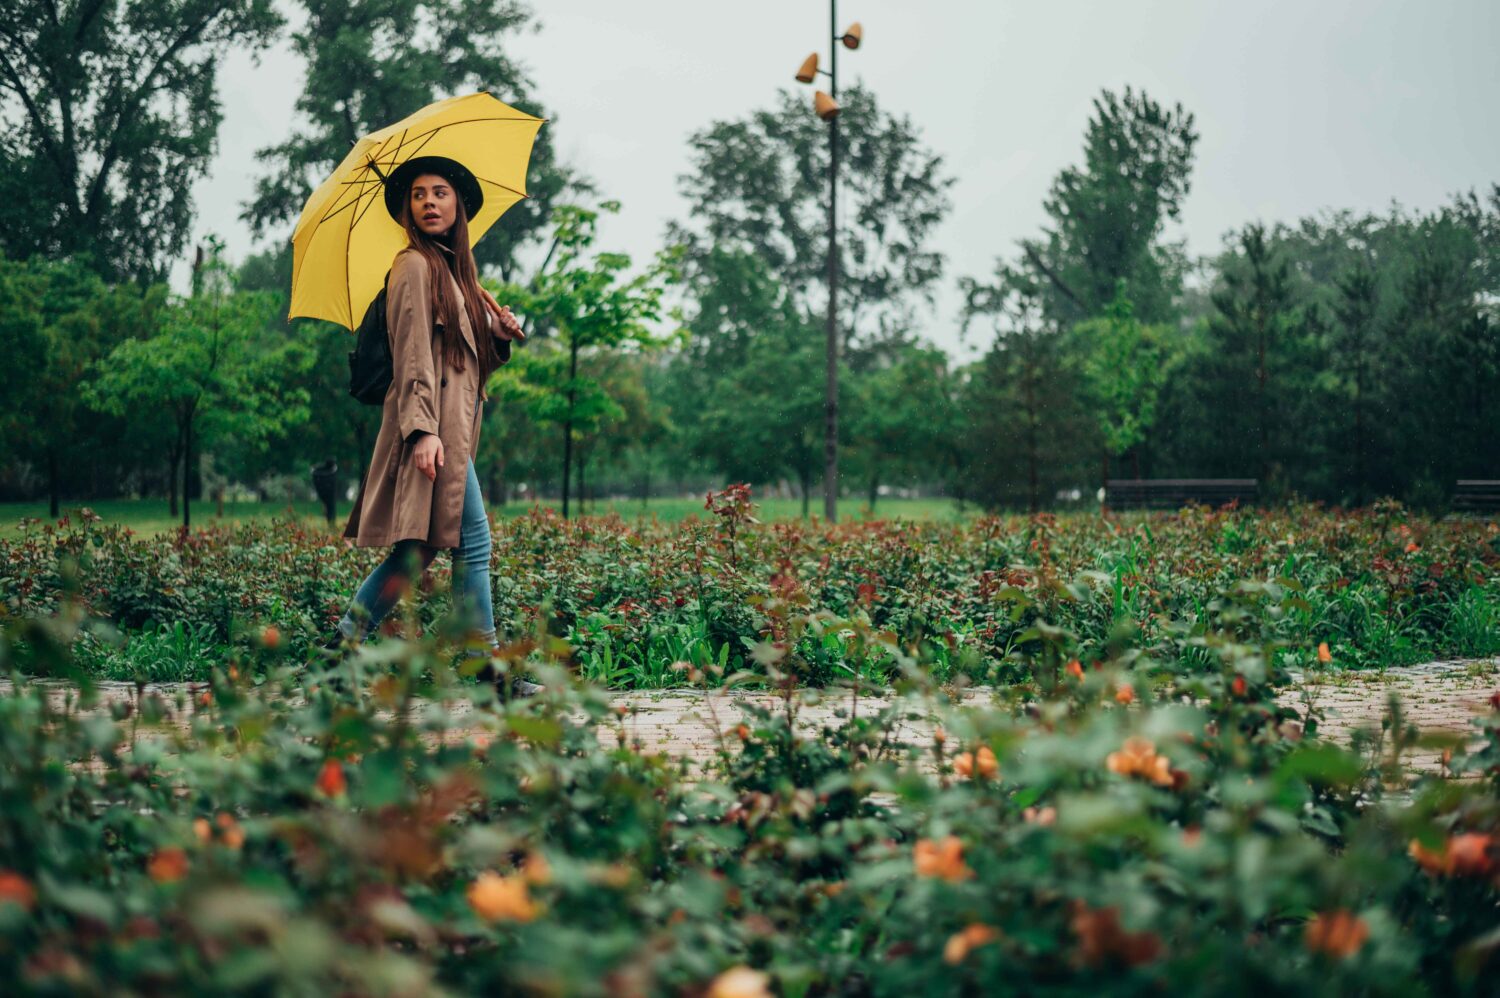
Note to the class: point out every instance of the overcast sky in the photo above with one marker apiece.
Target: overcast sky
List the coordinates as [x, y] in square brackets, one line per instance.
[1301, 104]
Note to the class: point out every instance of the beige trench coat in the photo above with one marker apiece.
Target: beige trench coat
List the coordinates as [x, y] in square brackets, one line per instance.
[396, 501]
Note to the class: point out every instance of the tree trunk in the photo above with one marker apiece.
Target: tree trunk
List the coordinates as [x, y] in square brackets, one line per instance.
[52, 478]
[806, 480]
[174, 457]
[568, 427]
[187, 475]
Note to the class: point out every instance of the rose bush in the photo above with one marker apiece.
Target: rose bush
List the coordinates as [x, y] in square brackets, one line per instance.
[1372, 587]
[284, 833]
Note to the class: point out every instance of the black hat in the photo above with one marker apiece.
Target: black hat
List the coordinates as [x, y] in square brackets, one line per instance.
[398, 182]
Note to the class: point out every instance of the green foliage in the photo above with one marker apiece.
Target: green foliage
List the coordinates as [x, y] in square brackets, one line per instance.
[1107, 215]
[213, 368]
[117, 116]
[1125, 365]
[759, 186]
[589, 308]
[268, 833]
[633, 597]
[371, 64]
[56, 321]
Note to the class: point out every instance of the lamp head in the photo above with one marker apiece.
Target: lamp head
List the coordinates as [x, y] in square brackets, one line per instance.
[809, 69]
[853, 36]
[826, 107]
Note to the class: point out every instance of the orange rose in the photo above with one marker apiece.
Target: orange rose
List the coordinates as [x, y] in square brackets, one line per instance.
[966, 764]
[536, 870]
[1074, 668]
[331, 778]
[501, 899]
[1138, 757]
[740, 982]
[167, 866]
[967, 939]
[1100, 936]
[1239, 686]
[1125, 695]
[944, 859]
[230, 830]
[1340, 934]
[203, 830]
[1043, 816]
[1465, 854]
[1324, 655]
[270, 637]
[16, 889]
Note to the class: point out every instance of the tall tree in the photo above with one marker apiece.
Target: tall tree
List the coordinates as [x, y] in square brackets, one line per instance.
[1107, 215]
[214, 367]
[901, 417]
[592, 307]
[1124, 364]
[759, 184]
[1258, 335]
[56, 320]
[112, 112]
[1027, 427]
[371, 64]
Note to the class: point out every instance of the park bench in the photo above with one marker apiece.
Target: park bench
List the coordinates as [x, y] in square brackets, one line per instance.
[1472, 495]
[1174, 493]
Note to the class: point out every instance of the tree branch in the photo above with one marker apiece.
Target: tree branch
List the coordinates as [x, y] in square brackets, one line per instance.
[1051, 275]
[131, 106]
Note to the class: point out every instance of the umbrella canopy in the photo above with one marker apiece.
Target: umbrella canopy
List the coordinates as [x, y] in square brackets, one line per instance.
[345, 239]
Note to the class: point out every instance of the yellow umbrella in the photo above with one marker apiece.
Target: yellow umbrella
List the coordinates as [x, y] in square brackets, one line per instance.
[345, 239]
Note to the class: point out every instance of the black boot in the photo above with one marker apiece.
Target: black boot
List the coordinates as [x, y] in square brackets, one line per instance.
[509, 688]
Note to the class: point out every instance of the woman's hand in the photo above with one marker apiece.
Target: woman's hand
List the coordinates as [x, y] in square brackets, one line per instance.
[510, 327]
[428, 455]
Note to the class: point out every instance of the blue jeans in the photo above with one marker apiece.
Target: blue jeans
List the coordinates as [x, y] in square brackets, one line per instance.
[471, 576]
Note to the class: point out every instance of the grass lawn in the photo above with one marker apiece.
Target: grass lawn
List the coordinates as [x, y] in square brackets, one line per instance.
[151, 516]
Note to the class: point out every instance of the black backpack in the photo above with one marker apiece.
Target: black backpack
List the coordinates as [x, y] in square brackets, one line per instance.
[370, 368]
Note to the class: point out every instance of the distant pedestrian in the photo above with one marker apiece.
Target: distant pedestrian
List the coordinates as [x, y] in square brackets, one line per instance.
[325, 484]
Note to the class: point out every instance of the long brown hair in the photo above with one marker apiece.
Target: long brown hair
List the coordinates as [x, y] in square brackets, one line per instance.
[466, 272]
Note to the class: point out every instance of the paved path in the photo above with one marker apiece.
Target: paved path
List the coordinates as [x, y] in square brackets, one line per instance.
[1439, 696]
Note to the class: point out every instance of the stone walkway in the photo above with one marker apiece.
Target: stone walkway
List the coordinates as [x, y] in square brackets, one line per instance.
[1437, 697]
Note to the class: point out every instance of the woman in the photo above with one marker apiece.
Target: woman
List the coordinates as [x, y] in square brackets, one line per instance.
[448, 335]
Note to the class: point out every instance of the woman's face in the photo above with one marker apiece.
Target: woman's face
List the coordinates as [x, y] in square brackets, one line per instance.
[434, 204]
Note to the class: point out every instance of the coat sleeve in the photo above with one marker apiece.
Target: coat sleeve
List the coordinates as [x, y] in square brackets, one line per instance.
[409, 318]
[502, 342]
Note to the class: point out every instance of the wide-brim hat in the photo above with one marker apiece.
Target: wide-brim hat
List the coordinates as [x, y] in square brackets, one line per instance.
[399, 181]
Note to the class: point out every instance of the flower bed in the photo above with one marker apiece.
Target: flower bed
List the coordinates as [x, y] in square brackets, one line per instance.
[1377, 587]
[1189, 836]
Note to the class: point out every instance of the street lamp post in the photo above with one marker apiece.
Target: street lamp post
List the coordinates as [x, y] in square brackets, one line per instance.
[827, 107]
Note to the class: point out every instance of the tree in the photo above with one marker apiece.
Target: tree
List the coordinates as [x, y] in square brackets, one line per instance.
[1357, 308]
[338, 427]
[759, 185]
[1125, 364]
[56, 320]
[113, 111]
[1108, 214]
[371, 64]
[592, 309]
[1025, 422]
[213, 366]
[902, 415]
[1254, 333]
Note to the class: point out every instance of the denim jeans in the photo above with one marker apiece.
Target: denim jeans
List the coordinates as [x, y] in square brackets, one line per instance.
[471, 576]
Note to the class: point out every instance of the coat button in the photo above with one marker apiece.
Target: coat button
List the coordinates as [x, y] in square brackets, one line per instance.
[444, 383]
